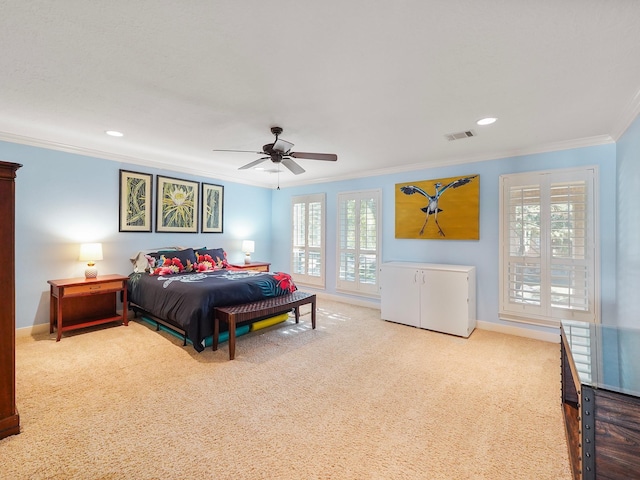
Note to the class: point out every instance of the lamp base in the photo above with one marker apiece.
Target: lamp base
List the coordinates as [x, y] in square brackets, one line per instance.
[91, 272]
[247, 259]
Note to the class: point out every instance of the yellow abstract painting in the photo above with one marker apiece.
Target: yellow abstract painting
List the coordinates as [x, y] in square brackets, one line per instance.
[443, 208]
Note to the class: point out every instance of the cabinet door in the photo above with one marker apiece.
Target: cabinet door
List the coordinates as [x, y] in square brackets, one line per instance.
[399, 295]
[444, 301]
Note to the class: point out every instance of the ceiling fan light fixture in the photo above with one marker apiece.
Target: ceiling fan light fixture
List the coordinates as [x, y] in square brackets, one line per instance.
[486, 121]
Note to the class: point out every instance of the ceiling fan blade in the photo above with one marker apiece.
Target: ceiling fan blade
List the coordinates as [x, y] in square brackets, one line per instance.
[293, 166]
[282, 145]
[330, 157]
[240, 151]
[254, 163]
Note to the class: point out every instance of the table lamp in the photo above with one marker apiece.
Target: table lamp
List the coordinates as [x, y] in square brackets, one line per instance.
[90, 252]
[248, 247]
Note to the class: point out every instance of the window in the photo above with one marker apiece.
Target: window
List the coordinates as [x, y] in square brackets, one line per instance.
[307, 260]
[548, 248]
[359, 242]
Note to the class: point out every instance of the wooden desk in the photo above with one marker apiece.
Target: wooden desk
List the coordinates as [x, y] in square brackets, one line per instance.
[84, 302]
[258, 266]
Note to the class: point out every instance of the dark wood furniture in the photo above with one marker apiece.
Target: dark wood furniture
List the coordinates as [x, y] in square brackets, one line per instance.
[255, 311]
[9, 418]
[84, 302]
[601, 400]
[258, 266]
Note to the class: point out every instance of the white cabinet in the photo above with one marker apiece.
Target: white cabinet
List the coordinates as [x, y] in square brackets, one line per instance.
[432, 296]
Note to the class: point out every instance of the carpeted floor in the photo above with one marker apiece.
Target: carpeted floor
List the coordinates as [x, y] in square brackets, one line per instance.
[357, 398]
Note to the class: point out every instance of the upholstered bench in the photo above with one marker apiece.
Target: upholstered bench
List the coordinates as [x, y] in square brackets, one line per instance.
[259, 310]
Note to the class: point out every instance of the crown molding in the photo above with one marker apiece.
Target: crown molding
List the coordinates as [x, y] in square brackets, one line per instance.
[62, 147]
[547, 148]
[551, 147]
[630, 114]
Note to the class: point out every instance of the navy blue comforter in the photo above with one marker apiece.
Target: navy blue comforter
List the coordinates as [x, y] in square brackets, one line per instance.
[187, 300]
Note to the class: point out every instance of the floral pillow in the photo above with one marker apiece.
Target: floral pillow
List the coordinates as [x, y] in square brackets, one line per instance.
[186, 255]
[170, 266]
[217, 257]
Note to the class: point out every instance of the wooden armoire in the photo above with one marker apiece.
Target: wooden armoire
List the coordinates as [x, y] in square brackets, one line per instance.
[9, 418]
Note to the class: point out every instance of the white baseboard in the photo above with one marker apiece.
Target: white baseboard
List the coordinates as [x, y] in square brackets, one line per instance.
[482, 325]
[551, 337]
[38, 329]
[359, 302]
[517, 331]
[520, 331]
[43, 328]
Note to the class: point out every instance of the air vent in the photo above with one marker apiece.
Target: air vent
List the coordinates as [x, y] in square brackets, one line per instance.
[460, 135]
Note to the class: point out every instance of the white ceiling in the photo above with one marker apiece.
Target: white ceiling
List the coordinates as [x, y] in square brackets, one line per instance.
[378, 82]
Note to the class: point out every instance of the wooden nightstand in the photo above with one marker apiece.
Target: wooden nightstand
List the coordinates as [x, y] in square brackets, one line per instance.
[79, 302]
[258, 266]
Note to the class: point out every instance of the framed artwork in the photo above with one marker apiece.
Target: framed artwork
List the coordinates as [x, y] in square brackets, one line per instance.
[177, 205]
[136, 192]
[212, 203]
[443, 208]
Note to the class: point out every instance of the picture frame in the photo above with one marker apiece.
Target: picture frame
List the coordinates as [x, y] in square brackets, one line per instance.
[212, 208]
[177, 203]
[440, 208]
[135, 197]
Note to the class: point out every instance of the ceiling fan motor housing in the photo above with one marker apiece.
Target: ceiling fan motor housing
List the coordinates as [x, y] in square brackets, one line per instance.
[276, 155]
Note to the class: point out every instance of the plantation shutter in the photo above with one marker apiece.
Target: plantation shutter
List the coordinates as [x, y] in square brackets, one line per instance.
[307, 260]
[548, 251]
[358, 242]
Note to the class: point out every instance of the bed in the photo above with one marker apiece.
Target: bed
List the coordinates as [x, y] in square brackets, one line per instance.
[181, 289]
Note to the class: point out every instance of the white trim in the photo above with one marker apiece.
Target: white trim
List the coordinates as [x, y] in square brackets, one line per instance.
[356, 287]
[544, 313]
[627, 118]
[359, 302]
[550, 147]
[633, 110]
[33, 330]
[305, 278]
[481, 324]
[519, 331]
[173, 166]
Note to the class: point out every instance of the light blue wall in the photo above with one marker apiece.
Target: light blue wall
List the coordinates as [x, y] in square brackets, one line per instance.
[628, 211]
[482, 253]
[628, 253]
[64, 199]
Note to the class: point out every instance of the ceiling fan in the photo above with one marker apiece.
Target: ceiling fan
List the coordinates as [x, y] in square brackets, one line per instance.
[280, 152]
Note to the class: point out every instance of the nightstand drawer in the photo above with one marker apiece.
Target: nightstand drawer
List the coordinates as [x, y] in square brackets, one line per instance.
[93, 288]
[256, 266]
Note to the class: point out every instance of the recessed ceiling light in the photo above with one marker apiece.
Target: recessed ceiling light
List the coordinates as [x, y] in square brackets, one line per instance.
[114, 133]
[486, 121]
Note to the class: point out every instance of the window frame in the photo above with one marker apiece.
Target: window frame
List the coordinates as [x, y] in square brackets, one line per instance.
[548, 314]
[306, 279]
[358, 287]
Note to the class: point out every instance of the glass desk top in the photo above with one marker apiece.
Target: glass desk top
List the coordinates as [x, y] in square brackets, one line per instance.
[606, 357]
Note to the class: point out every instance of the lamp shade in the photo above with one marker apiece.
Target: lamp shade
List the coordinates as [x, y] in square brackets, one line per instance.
[248, 246]
[90, 252]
